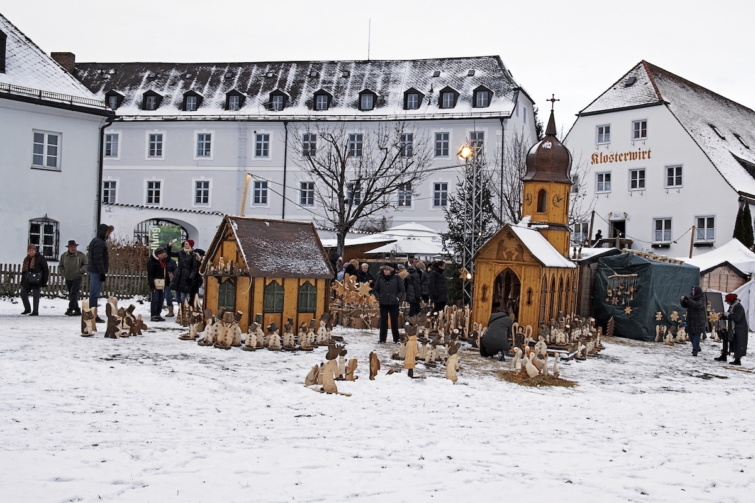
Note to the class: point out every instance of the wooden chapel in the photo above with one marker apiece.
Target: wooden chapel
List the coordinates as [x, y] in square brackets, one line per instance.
[525, 267]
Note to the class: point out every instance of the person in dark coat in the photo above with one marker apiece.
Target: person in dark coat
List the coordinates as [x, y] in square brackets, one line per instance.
[186, 272]
[424, 281]
[170, 268]
[34, 275]
[738, 332]
[364, 275]
[437, 287]
[389, 290]
[413, 287]
[198, 279]
[496, 338]
[335, 263]
[99, 264]
[696, 320]
[157, 268]
[73, 266]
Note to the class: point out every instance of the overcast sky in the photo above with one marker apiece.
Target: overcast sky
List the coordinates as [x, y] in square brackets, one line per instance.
[575, 49]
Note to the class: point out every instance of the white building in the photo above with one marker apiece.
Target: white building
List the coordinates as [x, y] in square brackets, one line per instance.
[660, 155]
[49, 151]
[186, 134]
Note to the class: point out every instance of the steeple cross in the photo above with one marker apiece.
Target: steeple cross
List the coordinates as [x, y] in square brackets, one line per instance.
[553, 100]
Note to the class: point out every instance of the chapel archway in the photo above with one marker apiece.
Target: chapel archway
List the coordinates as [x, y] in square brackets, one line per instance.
[507, 291]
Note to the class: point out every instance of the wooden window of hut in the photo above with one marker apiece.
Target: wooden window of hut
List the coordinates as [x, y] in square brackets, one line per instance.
[543, 296]
[227, 295]
[541, 199]
[273, 301]
[307, 298]
[561, 306]
[553, 307]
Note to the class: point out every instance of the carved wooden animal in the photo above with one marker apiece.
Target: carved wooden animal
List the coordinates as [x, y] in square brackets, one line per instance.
[374, 365]
[88, 315]
[530, 367]
[313, 376]
[452, 364]
[113, 327]
[556, 369]
[351, 368]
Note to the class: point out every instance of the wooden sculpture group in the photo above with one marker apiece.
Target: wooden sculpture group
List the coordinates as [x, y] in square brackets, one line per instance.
[119, 322]
[353, 305]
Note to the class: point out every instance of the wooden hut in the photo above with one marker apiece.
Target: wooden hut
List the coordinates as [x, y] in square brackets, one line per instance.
[520, 270]
[272, 267]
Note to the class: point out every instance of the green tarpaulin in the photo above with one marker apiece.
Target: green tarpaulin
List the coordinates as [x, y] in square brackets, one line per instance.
[633, 289]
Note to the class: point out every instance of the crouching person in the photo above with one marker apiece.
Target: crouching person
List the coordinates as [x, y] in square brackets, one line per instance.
[496, 338]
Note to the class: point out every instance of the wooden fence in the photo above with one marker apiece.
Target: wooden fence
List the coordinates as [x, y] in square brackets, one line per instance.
[120, 284]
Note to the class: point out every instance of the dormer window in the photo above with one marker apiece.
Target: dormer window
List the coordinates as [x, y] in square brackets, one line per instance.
[278, 101]
[447, 98]
[192, 101]
[741, 141]
[3, 39]
[234, 100]
[718, 133]
[113, 100]
[366, 100]
[482, 97]
[322, 101]
[151, 100]
[412, 99]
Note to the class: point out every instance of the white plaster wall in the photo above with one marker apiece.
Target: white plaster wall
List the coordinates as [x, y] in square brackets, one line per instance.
[704, 191]
[68, 196]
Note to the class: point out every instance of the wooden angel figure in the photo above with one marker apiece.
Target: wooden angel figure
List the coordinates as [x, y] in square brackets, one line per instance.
[452, 363]
[668, 338]
[659, 333]
[374, 365]
[88, 316]
[681, 336]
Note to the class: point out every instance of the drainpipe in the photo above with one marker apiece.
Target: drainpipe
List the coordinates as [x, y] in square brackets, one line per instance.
[100, 168]
[285, 169]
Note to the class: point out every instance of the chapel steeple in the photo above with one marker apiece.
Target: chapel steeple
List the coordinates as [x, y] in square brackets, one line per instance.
[546, 187]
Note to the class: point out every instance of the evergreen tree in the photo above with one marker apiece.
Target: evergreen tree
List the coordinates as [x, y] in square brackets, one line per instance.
[749, 239]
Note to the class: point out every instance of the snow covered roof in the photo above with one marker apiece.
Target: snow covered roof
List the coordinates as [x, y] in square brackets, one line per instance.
[541, 248]
[724, 129]
[299, 81]
[277, 248]
[29, 70]
[733, 252]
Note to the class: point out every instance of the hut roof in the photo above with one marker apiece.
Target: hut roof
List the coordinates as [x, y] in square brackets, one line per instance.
[277, 248]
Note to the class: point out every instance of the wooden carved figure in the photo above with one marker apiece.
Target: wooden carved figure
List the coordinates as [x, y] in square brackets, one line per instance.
[516, 364]
[273, 339]
[288, 340]
[313, 376]
[351, 368]
[88, 315]
[452, 364]
[556, 369]
[374, 365]
[411, 354]
[342, 363]
[329, 371]
[250, 344]
[113, 328]
[530, 367]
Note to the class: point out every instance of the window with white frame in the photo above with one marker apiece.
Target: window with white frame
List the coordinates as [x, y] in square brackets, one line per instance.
[441, 144]
[637, 179]
[580, 234]
[355, 144]
[109, 191]
[309, 144]
[307, 193]
[353, 193]
[412, 101]
[440, 194]
[603, 182]
[705, 229]
[155, 145]
[406, 144]
[111, 144]
[366, 101]
[481, 99]
[322, 101]
[603, 133]
[673, 176]
[477, 141]
[278, 102]
[262, 145]
[204, 144]
[447, 99]
[662, 227]
[259, 193]
[46, 150]
[234, 102]
[45, 233]
[405, 195]
[112, 102]
[639, 130]
[150, 102]
[202, 192]
[154, 189]
[191, 103]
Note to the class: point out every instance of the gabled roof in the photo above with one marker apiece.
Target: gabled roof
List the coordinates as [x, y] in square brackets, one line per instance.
[734, 253]
[343, 80]
[28, 68]
[536, 244]
[276, 248]
[697, 109]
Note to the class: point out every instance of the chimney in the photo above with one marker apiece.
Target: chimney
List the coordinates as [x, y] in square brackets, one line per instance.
[65, 59]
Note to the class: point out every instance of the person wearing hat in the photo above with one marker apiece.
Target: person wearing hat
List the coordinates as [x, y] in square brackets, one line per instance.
[389, 290]
[186, 272]
[73, 267]
[34, 275]
[157, 270]
[696, 319]
[738, 330]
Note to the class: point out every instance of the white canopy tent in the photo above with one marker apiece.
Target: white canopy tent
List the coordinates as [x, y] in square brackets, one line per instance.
[733, 252]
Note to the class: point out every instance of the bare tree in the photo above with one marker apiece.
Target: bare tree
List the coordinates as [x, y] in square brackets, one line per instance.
[359, 174]
[581, 203]
[506, 186]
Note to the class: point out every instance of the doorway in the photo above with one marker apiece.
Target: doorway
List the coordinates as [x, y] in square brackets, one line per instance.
[618, 229]
[507, 292]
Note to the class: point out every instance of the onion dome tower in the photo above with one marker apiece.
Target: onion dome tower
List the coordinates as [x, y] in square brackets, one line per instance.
[547, 186]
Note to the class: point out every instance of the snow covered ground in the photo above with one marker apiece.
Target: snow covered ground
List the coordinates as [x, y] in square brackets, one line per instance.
[156, 419]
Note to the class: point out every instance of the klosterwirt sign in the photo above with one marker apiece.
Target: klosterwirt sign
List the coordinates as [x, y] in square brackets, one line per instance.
[598, 158]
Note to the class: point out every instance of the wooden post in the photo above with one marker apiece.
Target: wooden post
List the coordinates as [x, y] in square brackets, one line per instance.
[592, 221]
[692, 241]
[243, 196]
